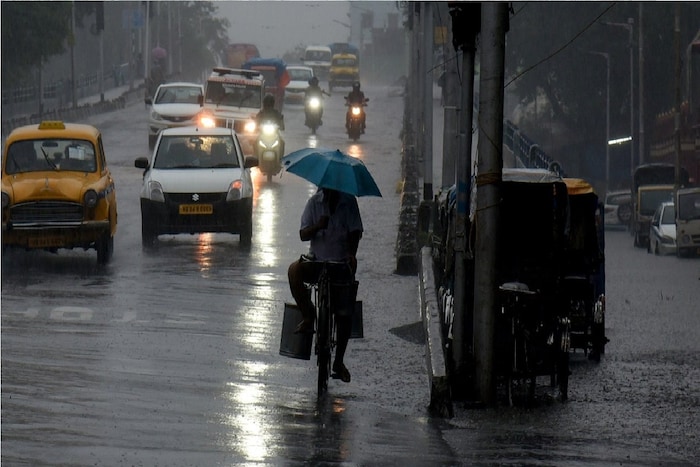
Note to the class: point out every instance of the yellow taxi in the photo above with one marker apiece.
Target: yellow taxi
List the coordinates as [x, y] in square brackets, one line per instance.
[57, 191]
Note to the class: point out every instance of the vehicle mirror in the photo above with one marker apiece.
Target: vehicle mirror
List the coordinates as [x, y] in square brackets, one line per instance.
[148, 101]
[49, 144]
[141, 163]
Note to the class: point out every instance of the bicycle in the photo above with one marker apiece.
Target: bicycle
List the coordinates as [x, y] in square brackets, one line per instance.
[536, 344]
[338, 275]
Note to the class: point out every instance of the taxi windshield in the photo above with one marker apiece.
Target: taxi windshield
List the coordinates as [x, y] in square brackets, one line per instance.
[50, 154]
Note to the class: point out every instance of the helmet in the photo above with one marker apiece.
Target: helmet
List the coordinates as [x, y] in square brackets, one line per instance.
[268, 101]
[313, 81]
[356, 86]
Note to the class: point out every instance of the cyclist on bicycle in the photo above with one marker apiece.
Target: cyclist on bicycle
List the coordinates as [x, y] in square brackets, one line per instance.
[331, 223]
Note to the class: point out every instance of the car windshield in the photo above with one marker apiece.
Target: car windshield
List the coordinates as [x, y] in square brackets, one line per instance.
[689, 206]
[299, 75]
[50, 154]
[177, 95]
[233, 94]
[669, 215]
[650, 200]
[196, 152]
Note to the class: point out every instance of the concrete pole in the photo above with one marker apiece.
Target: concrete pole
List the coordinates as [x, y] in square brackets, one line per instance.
[450, 91]
[73, 85]
[490, 170]
[641, 147]
[427, 65]
[677, 77]
[630, 22]
[463, 322]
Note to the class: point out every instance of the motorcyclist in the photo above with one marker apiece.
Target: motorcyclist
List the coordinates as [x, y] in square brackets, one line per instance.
[356, 96]
[314, 90]
[270, 113]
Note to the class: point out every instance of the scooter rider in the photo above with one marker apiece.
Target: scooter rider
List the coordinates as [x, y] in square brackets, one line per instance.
[356, 96]
[270, 113]
[314, 90]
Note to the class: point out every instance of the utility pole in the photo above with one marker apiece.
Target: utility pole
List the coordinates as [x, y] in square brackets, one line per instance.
[677, 116]
[466, 23]
[640, 40]
[494, 18]
[427, 129]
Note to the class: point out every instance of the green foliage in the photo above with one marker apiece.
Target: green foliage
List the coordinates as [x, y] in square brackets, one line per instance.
[31, 32]
[548, 53]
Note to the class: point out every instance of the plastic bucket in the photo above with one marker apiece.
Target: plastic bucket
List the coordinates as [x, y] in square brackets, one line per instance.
[343, 296]
[294, 345]
[357, 331]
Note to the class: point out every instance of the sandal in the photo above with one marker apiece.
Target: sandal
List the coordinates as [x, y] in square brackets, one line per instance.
[341, 372]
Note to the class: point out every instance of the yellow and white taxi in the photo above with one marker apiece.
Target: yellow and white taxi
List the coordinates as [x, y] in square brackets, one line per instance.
[57, 191]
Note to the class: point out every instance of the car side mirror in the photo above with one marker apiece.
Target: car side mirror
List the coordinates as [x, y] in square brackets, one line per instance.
[141, 163]
[148, 100]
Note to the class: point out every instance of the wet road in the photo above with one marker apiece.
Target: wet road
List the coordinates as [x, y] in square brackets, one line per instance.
[171, 358]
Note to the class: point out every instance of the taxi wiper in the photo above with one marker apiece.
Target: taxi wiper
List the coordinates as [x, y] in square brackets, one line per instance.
[49, 161]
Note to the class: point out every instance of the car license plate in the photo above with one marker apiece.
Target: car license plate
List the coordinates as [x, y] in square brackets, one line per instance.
[194, 209]
[46, 242]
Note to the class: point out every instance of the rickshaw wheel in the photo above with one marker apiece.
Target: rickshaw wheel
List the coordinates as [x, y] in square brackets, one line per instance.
[563, 374]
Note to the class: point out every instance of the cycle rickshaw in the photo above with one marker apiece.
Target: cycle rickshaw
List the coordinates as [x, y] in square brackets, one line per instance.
[532, 326]
[584, 274]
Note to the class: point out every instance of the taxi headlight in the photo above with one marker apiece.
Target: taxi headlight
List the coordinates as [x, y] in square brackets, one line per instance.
[155, 192]
[250, 126]
[90, 198]
[234, 191]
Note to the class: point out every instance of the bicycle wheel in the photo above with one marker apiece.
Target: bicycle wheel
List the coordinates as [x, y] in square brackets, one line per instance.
[323, 336]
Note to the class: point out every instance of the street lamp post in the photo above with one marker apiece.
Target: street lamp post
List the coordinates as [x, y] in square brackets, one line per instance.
[629, 25]
[606, 56]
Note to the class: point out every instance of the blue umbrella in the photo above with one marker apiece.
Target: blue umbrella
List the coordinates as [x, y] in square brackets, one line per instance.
[330, 168]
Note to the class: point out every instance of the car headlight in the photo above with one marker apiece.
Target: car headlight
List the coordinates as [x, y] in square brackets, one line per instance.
[5, 200]
[250, 126]
[206, 121]
[90, 198]
[155, 192]
[234, 191]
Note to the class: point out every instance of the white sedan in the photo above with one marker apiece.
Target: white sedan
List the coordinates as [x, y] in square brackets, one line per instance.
[196, 181]
[173, 105]
[662, 230]
[299, 77]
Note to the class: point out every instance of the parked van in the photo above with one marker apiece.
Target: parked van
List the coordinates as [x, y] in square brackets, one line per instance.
[688, 221]
[318, 57]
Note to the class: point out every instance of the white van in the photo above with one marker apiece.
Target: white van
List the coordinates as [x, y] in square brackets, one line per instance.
[688, 221]
[318, 57]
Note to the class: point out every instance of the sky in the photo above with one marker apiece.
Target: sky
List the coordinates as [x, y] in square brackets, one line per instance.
[278, 26]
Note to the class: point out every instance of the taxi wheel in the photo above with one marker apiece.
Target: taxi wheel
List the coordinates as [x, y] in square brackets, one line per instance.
[105, 248]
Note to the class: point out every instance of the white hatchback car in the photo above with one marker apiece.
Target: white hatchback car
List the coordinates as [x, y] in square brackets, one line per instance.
[197, 181]
[618, 209]
[173, 105]
[299, 77]
[662, 230]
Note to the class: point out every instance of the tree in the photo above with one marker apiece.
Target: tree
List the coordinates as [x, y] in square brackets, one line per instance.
[31, 32]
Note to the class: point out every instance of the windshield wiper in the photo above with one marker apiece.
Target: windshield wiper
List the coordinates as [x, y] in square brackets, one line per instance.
[49, 161]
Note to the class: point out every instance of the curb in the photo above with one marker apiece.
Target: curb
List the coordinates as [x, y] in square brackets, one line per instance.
[440, 394]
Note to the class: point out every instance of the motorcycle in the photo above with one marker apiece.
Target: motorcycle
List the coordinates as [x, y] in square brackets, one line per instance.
[355, 118]
[313, 109]
[269, 149]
